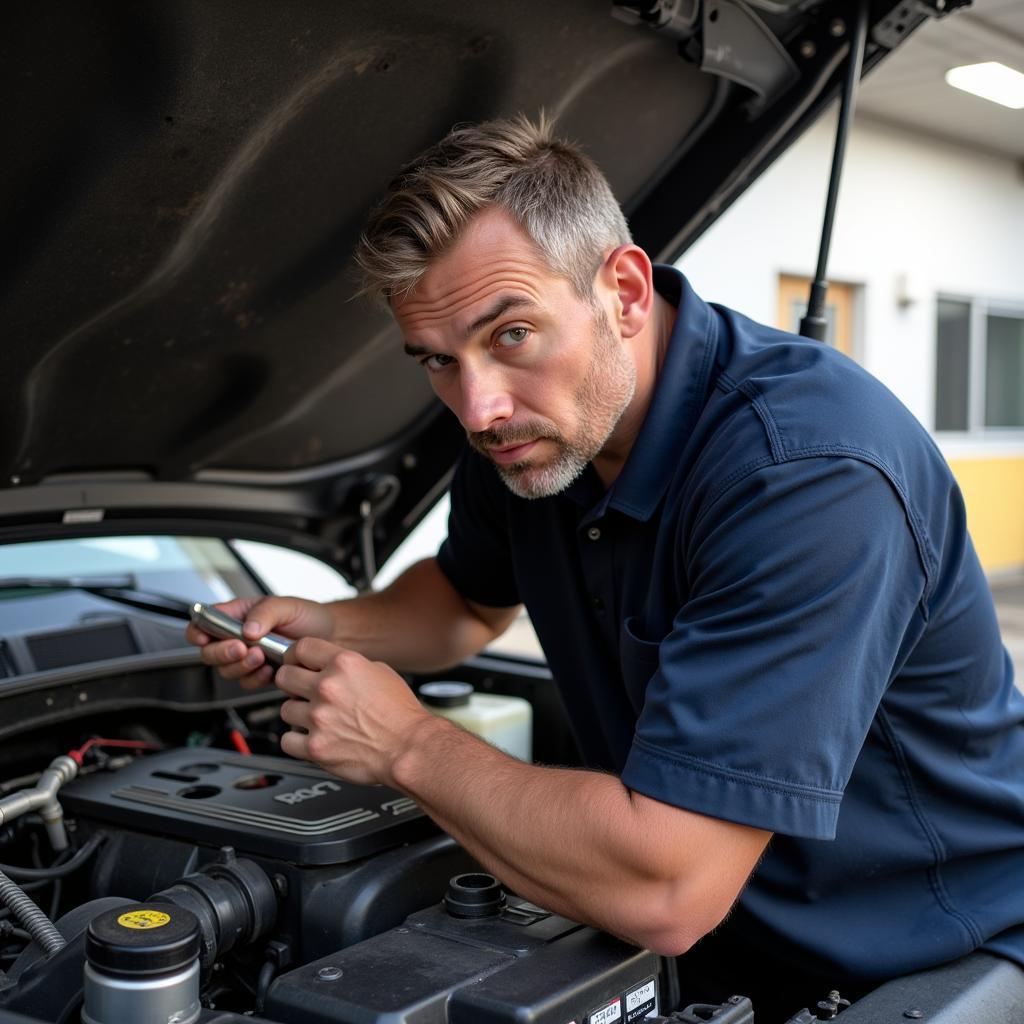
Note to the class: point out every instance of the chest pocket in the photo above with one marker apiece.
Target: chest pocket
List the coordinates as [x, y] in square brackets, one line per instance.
[638, 661]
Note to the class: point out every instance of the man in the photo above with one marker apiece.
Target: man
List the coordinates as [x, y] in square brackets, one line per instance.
[749, 569]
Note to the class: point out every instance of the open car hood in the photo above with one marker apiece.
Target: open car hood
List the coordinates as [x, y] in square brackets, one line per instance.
[185, 184]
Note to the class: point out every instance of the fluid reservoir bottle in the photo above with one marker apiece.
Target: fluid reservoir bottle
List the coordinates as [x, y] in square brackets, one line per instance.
[505, 722]
[142, 966]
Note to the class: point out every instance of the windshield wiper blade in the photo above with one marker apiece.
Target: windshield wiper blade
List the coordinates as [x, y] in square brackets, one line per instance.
[125, 582]
[121, 589]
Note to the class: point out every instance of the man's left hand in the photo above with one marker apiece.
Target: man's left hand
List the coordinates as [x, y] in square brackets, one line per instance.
[357, 714]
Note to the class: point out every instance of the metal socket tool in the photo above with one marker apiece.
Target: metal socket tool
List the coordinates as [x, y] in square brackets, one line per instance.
[216, 623]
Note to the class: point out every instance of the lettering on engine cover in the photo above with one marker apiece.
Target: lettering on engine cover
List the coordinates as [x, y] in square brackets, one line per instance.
[297, 796]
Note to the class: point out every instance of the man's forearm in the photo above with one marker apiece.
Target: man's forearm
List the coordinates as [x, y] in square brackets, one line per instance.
[420, 623]
[580, 843]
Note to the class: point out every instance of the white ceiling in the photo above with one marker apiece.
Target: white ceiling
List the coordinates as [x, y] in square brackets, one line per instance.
[909, 88]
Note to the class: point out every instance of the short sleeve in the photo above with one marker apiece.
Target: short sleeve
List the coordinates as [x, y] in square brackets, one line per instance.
[476, 555]
[804, 585]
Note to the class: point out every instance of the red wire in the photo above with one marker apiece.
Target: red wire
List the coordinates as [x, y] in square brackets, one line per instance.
[96, 741]
[238, 742]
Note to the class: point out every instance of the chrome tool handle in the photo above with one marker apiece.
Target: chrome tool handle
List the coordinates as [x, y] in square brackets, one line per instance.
[216, 623]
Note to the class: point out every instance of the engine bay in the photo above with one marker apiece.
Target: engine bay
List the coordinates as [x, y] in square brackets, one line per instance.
[144, 882]
[162, 864]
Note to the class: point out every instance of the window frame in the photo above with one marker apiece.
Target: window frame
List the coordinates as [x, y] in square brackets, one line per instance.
[977, 365]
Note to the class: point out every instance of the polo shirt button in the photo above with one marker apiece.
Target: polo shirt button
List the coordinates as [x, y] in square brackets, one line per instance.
[594, 533]
[598, 604]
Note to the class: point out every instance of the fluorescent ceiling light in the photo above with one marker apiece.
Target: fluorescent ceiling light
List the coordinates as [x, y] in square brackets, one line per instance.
[991, 81]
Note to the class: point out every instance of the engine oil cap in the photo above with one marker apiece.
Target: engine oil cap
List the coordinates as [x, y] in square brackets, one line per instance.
[446, 694]
[143, 940]
[474, 895]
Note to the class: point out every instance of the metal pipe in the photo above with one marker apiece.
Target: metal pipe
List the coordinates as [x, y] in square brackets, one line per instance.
[43, 798]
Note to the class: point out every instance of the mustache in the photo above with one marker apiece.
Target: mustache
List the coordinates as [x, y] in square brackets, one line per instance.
[518, 433]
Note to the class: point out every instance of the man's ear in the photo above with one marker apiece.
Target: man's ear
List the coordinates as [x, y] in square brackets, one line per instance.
[626, 273]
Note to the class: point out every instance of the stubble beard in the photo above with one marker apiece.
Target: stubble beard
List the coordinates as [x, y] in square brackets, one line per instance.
[602, 397]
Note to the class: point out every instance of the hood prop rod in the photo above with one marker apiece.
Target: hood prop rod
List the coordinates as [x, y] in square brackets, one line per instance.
[813, 324]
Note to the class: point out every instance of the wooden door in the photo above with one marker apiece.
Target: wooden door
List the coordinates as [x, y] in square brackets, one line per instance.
[793, 292]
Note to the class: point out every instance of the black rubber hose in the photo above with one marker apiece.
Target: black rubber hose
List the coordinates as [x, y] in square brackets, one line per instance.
[36, 923]
[8, 931]
[21, 874]
[267, 972]
[55, 899]
[5, 912]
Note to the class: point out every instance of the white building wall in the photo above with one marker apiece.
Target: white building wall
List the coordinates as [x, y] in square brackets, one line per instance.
[946, 218]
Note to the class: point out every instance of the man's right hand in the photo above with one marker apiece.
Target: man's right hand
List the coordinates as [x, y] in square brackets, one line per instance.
[292, 617]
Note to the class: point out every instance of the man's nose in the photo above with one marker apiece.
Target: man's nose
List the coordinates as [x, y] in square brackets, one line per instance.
[484, 401]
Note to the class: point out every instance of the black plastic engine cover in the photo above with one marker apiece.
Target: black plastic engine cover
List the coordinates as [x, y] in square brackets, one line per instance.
[522, 965]
[270, 806]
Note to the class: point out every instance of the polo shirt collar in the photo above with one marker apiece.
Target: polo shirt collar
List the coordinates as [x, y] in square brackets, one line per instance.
[680, 393]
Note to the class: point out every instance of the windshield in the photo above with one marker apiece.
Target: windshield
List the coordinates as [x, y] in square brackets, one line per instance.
[189, 568]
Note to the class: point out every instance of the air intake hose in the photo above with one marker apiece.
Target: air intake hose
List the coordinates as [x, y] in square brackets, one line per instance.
[233, 899]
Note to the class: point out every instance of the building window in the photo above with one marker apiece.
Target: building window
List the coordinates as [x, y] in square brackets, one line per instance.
[953, 361]
[979, 366]
[1004, 371]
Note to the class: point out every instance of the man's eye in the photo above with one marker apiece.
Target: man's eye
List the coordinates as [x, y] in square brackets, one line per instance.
[436, 363]
[513, 336]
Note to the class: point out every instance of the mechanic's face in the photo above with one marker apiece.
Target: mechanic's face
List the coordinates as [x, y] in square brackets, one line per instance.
[537, 376]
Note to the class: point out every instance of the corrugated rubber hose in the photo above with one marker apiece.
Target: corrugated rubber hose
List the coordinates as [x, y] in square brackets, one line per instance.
[36, 923]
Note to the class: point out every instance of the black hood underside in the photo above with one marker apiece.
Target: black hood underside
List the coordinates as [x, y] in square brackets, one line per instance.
[186, 183]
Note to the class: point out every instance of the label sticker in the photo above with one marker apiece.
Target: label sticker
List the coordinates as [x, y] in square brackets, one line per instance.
[641, 1002]
[144, 919]
[83, 515]
[606, 1014]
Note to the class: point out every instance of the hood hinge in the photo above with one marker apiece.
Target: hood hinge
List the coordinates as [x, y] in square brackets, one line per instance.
[363, 504]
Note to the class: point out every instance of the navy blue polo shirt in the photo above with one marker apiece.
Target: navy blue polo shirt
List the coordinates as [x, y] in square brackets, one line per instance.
[775, 616]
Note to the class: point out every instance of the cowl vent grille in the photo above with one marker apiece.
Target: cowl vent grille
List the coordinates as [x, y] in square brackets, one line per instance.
[76, 646]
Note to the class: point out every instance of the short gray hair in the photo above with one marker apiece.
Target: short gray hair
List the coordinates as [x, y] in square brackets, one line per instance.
[549, 187]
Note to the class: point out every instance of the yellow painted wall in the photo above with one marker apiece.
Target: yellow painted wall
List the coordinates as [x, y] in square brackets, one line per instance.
[993, 490]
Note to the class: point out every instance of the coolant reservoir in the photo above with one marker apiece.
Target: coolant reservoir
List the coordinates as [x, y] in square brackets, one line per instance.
[142, 966]
[504, 722]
